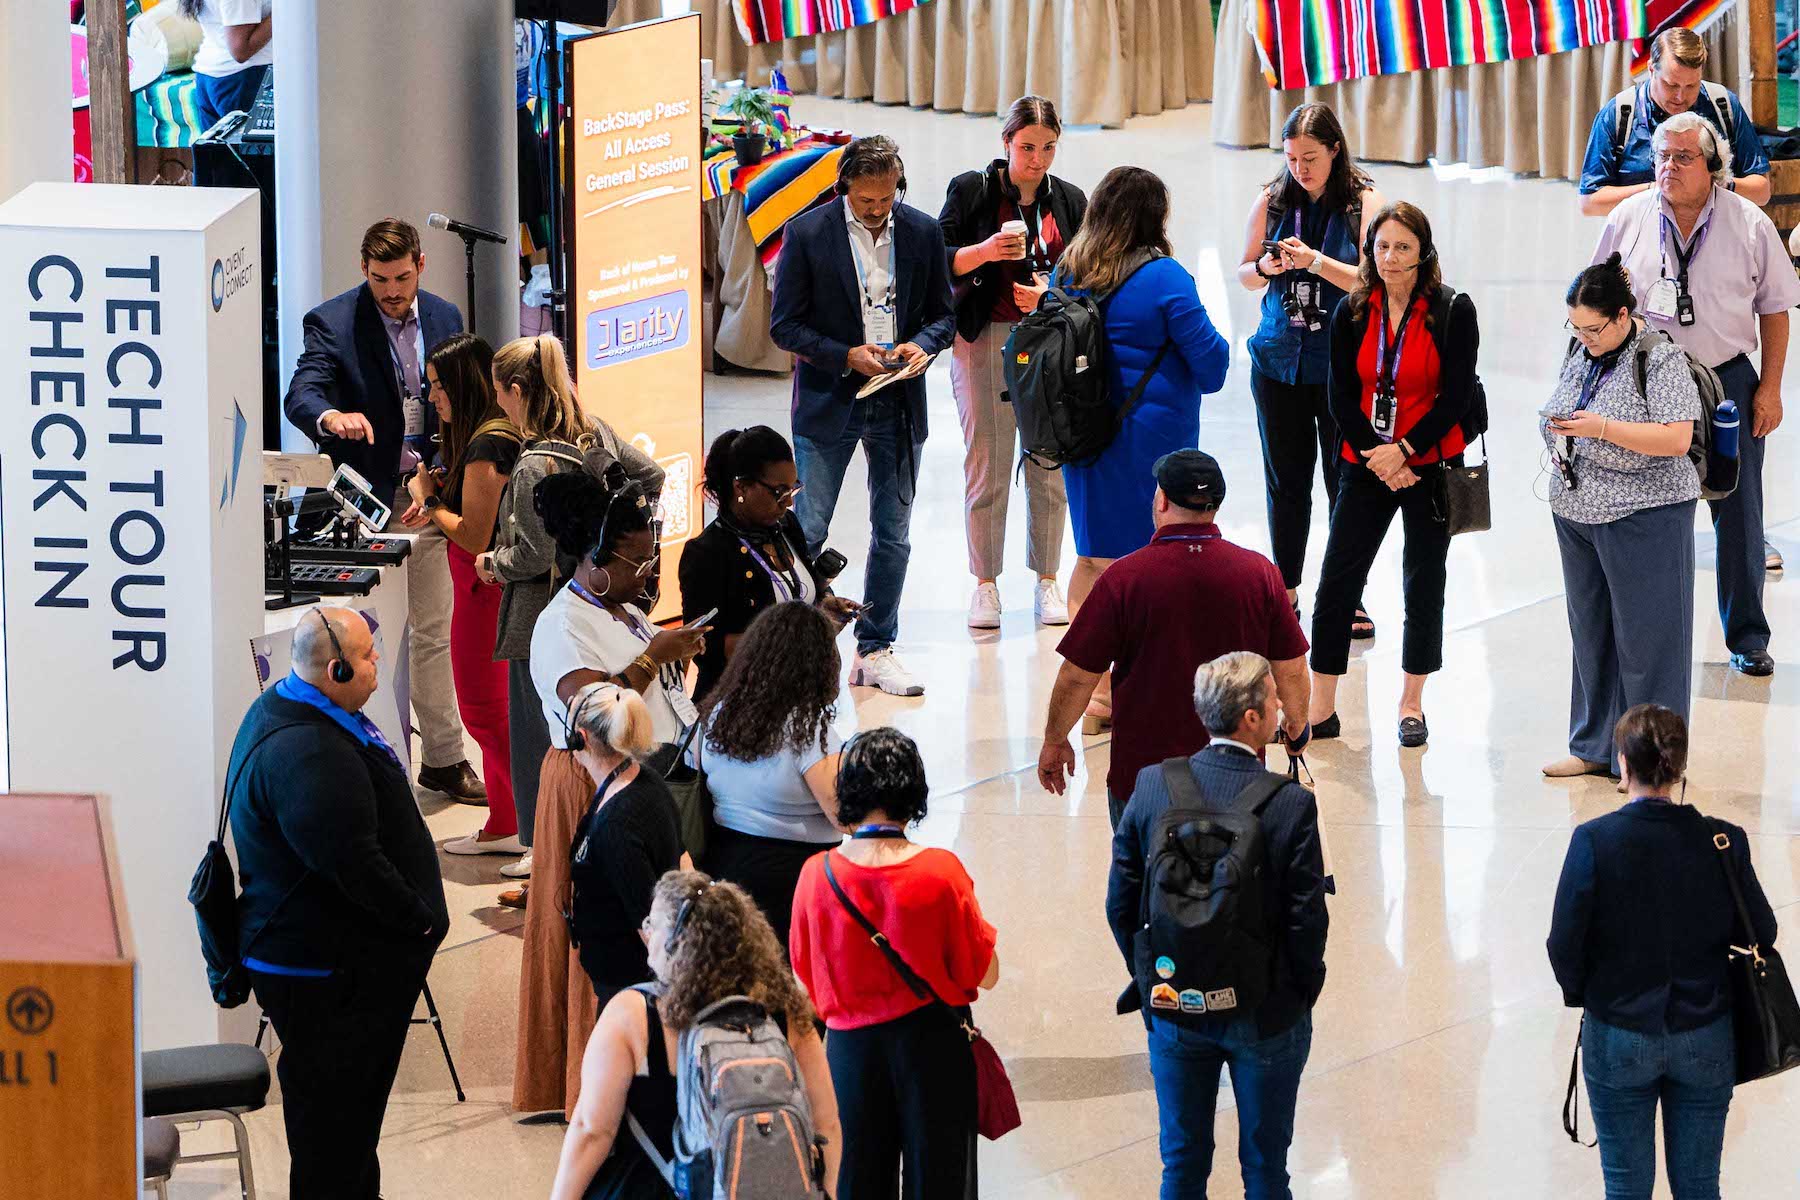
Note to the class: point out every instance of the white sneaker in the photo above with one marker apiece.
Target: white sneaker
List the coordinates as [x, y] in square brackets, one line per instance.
[883, 669]
[520, 869]
[1772, 560]
[984, 607]
[1049, 604]
[473, 844]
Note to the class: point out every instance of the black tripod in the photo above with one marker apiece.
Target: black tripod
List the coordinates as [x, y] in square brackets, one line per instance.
[431, 1018]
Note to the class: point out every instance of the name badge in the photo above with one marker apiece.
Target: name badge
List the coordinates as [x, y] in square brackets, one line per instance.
[1303, 302]
[880, 325]
[414, 409]
[1684, 309]
[1662, 300]
[684, 708]
[1382, 415]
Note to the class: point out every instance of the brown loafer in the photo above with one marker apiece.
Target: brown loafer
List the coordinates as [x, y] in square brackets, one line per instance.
[1571, 767]
[457, 782]
[515, 897]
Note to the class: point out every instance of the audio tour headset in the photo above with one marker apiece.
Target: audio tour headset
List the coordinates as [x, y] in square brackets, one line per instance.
[1427, 251]
[871, 156]
[340, 670]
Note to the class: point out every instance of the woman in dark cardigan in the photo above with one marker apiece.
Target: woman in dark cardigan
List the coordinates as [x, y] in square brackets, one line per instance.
[752, 555]
[1403, 351]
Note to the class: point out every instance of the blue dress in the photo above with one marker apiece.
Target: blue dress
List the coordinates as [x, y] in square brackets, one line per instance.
[1109, 502]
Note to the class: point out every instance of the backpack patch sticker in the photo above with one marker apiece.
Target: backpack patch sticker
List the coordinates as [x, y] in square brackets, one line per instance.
[1223, 998]
[1193, 1000]
[1163, 996]
[1022, 359]
[1165, 967]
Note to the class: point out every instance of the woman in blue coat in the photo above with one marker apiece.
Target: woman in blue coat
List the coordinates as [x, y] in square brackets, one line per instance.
[1154, 322]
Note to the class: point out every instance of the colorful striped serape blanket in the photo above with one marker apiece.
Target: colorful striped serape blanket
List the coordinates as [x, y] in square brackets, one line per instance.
[761, 21]
[776, 190]
[1306, 43]
[1697, 15]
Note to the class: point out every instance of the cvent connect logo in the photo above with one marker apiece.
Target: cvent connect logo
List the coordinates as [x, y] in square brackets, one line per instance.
[230, 275]
[218, 284]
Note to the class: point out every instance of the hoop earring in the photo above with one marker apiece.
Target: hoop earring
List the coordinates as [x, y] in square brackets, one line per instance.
[609, 580]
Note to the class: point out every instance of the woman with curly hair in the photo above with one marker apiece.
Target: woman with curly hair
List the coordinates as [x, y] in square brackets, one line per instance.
[901, 1063]
[706, 941]
[770, 755]
[591, 631]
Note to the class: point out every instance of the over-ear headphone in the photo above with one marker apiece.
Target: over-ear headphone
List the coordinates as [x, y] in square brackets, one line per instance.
[573, 736]
[874, 147]
[1425, 255]
[340, 670]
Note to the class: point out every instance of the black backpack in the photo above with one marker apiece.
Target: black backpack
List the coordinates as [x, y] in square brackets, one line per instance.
[1054, 364]
[1203, 945]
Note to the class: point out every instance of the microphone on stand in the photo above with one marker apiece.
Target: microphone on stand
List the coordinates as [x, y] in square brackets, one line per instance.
[464, 229]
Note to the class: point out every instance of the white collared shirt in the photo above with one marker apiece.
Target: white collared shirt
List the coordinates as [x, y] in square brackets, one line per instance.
[1225, 741]
[873, 257]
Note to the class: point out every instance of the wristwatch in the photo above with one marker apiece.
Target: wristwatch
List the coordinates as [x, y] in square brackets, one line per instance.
[431, 502]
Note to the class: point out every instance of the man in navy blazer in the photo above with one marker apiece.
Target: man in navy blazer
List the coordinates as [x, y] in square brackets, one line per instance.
[359, 391]
[862, 288]
[1266, 1049]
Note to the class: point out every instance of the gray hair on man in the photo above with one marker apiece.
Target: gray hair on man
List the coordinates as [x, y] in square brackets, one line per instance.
[1711, 144]
[1230, 686]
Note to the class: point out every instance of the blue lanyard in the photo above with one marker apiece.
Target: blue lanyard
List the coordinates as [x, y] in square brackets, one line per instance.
[788, 586]
[862, 275]
[630, 621]
[879, 831]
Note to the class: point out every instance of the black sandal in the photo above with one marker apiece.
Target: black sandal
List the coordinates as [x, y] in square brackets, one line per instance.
[1362, 627]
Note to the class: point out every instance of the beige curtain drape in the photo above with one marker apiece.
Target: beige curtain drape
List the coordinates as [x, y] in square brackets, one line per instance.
[1531, 115]
[1101, 61]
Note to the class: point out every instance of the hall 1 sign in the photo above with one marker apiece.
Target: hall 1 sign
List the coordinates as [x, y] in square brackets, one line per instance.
[633, 184]
[130, 530]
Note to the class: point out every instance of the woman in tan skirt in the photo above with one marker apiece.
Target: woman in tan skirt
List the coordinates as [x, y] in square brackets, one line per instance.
[592, 631]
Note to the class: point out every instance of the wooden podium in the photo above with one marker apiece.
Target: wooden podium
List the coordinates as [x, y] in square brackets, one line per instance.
[69, 1090]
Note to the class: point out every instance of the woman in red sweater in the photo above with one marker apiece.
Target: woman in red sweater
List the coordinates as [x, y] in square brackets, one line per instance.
[1403, 352]
[900, 1063]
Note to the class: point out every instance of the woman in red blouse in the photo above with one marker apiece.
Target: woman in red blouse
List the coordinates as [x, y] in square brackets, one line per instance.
[900, 1063]
[1403, 350]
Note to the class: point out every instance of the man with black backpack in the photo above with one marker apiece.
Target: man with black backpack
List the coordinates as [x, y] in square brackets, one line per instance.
[1217, 901]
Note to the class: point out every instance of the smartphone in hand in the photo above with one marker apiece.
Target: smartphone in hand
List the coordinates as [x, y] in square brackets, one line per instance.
[704, 618]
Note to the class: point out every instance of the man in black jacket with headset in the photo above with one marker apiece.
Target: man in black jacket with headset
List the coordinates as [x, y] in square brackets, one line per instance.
[342, 906]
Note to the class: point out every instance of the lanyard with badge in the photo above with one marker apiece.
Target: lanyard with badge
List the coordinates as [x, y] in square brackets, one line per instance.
[1301, 303]
[785, 582]
[412, 404]
[1672, 299]
[1596, 375]
[668, 675]
[880, 325]
[1384, 412]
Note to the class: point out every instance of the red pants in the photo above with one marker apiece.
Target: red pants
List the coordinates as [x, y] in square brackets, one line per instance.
[481, 685]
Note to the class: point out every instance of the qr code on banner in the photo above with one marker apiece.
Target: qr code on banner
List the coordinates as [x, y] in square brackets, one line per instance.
[677, 498]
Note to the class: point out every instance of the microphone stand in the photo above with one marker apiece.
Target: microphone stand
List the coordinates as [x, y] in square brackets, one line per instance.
[554, 86]
[469, 276]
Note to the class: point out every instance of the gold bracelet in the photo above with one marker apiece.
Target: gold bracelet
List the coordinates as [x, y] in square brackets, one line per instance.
[647, 663]
[1603, 421]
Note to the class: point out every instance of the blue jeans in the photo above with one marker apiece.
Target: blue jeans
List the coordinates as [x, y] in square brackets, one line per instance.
[1690, 1073]
[216, 95]
[1265, 1079]
[893, 479]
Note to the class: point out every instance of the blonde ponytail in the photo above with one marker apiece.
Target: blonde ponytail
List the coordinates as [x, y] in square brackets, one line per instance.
[540, 370]
[614, 717]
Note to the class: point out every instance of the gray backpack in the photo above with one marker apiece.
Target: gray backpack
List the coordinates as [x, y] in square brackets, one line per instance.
[744, 1127]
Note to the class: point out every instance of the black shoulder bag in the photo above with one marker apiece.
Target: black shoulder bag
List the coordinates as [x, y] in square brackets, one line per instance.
[1765, 1020]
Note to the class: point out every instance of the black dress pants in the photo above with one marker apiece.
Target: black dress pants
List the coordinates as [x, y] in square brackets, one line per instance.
[768, 868]
[906, 1097]
[1297, 433]
[341, 1040]
[1359, 524]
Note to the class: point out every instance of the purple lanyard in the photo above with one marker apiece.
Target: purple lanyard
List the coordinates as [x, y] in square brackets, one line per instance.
[1590, 384]
[630, 620]
[788, 587]
[1668, 233]
[1387, 366]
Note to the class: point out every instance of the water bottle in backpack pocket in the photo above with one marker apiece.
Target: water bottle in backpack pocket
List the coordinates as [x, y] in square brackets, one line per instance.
[1203, 947]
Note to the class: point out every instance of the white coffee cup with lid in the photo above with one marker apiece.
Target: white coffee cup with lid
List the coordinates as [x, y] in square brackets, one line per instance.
[1019, 230]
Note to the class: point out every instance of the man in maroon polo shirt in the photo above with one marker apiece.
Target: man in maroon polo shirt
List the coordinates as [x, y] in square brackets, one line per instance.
[1187, 598]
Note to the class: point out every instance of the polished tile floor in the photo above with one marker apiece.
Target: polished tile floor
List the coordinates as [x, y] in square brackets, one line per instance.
[1441, 1045]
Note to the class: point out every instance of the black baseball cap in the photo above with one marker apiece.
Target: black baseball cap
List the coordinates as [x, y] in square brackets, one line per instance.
[1190, 479]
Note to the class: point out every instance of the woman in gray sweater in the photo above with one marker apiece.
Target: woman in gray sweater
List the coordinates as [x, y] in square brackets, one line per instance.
[533, 387]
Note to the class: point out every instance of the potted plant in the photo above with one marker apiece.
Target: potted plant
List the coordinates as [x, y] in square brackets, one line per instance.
[755, 112]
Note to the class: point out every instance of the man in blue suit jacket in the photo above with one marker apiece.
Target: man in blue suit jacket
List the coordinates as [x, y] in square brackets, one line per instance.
[359, 391]
[863, 287]
[1267, 1048]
